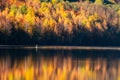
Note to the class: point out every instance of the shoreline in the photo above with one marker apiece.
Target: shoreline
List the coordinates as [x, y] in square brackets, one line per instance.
[60, 47]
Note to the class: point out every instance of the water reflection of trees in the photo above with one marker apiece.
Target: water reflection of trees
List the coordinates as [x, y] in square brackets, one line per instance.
[59, 68]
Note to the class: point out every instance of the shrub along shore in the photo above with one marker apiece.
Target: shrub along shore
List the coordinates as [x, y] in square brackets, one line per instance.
[59, 23]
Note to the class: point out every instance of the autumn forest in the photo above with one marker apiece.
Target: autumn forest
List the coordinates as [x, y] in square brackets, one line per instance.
[58, 22]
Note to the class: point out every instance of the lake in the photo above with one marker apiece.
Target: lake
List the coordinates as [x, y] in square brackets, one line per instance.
[43, 64]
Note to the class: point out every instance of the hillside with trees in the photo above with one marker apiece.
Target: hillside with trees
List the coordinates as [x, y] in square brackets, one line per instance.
[58, 22]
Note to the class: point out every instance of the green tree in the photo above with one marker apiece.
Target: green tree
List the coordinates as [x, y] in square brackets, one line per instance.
[23, 9]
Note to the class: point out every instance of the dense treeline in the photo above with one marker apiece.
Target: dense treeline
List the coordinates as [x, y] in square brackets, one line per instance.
[59, 23]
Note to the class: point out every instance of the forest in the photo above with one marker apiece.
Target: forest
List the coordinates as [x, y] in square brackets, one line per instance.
[59, 22]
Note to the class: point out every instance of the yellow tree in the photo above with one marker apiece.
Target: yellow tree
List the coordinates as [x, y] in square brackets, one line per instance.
[99, 1]
[112, 1]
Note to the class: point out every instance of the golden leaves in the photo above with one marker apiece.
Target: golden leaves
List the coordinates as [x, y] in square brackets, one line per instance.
[57, 17]
[30, 17]
[19, 17]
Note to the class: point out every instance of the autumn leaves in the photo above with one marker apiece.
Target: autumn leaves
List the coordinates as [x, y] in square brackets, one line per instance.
[58, 17]
[61, 18]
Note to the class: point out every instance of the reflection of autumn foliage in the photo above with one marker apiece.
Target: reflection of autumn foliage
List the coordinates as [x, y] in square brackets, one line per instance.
[33, 16]
[58, 68]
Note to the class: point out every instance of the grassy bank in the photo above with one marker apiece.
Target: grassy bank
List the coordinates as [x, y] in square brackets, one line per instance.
[59, 23]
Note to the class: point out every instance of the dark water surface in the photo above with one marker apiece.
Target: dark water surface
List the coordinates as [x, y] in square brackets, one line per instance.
[23, 64]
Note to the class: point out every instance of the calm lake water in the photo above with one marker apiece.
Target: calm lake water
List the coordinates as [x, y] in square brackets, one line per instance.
[23, 64]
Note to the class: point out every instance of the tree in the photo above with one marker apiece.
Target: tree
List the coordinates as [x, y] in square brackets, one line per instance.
[99, 1]
[112, 1]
